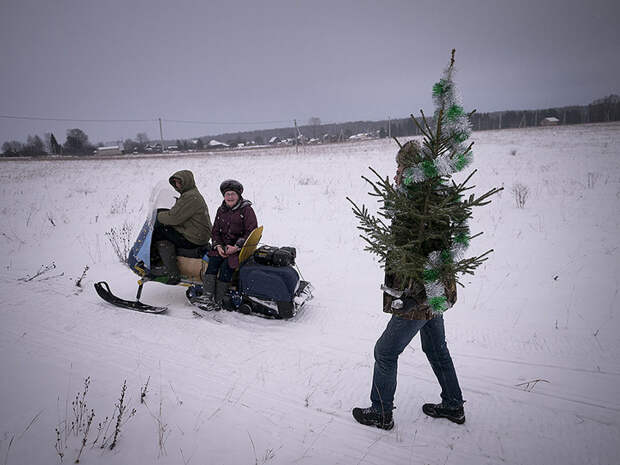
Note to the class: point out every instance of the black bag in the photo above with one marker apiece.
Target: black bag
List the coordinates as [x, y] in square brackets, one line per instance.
[275, 256]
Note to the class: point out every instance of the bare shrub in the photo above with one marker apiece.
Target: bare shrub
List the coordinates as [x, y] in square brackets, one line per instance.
[89, 421]
[121, 240]
[118, 418]
[521, 193]
[44, 269]
[121, 407]
[78, 283]
[119, 205]
[6, 436]
[144, 390]
[593, 179]
[528, 386]
[33, 211]
[76, 425]
[513, 152]
[79, 409]
[163, 431]
[60, 449]
[308, 181]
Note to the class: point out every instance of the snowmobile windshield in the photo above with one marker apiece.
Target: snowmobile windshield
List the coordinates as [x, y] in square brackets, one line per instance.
[162, 196]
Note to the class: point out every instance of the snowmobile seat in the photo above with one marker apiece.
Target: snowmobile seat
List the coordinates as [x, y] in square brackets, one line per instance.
[191, 263]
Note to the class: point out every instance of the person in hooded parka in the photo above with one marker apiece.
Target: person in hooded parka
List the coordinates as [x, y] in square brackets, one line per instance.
[186, 225]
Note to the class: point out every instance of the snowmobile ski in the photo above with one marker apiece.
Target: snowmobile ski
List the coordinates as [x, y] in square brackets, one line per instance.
[105, 293]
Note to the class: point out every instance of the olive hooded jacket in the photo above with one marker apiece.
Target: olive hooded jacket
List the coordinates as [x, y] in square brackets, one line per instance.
[189, 215]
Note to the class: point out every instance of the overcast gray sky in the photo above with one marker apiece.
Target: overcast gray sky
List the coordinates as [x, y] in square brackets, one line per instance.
[266, 62]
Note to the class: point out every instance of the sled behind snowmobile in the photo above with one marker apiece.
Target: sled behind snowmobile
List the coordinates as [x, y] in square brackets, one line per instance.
[273, 289]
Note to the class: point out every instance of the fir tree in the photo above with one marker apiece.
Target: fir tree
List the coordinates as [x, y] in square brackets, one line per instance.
[420, 232]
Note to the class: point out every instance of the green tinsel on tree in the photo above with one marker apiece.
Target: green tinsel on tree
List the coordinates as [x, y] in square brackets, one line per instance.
[420, 232]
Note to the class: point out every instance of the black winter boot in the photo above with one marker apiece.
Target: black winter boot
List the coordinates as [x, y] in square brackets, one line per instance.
[221, 289]
[208, 286]
[457, 415]
[205, 300]
[167, 252]
[371, 417]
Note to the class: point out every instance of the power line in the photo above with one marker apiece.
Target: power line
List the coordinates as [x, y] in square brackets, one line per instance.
[94, 120]
[76, 120]
[224, 122]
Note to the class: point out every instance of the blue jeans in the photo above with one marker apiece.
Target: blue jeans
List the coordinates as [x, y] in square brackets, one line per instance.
[397, 335]
[220, 264]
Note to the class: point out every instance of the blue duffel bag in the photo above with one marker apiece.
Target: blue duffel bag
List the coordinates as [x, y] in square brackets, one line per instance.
[275, 283]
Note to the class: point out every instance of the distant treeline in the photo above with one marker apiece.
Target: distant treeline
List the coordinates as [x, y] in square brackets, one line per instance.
[77, 143]
[602, 110]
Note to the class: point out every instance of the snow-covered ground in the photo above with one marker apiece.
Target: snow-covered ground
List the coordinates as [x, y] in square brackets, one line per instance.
[236, 389]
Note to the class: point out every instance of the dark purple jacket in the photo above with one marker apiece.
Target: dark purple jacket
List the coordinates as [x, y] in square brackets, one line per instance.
[232, 226]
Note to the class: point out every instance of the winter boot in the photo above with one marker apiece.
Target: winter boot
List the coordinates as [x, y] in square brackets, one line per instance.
[457, 415]
[205, 300]
[168, 256]
[159, 270]
[372, 417]
[208, 286]
[221, 289]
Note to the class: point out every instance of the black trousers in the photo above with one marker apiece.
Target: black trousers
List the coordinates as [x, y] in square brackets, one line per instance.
[162, 232]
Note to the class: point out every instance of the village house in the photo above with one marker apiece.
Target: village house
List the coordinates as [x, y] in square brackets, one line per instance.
[549, 121]
[109, 150]
[216, 144]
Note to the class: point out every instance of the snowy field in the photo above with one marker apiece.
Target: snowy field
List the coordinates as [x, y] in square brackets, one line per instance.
[535, 335]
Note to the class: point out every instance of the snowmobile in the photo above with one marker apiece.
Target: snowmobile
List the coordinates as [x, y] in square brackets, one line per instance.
[267, 282]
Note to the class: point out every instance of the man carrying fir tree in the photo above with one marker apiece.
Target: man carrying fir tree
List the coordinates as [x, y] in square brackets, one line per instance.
[420, 237]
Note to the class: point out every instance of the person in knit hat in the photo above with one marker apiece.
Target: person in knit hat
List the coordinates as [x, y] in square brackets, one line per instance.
[234, 221]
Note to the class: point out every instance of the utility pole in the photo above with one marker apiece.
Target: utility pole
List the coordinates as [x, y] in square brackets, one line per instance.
[389, 127]
[161, 136]
[296, 136]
